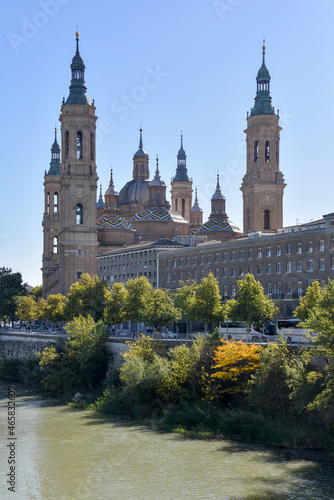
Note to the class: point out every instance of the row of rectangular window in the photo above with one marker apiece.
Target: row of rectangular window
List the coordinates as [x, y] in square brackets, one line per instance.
[249, 253]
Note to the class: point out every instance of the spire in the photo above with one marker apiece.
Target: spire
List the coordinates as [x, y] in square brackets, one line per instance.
[196, 207]
[262, 105]
[218, 194]
[157, 181]
[140, 151]
[55, 157]
[100, 203]
[111, 189]
[181, 169]
[78, 88]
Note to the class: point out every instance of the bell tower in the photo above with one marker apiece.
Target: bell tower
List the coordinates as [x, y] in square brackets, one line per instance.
[181, 192]
[263, 184]
[77, 242]
[51, 226]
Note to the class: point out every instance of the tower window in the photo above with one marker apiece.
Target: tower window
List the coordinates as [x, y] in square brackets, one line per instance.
[266, 224]
[67, 144]
[267, 152]
[79, 145]
[55, 202]
[48, 202]
[55, 244]
[256, 151]
[79, 214]
[183, 207]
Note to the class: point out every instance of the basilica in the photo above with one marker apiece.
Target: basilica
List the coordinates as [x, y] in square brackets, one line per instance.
[79, 227]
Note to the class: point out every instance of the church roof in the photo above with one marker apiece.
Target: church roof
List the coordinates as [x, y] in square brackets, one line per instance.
[196, 207]
[134, 191]
[158, 215]
[55, 158]
[113, 222]
[157, 181]
[219, 225]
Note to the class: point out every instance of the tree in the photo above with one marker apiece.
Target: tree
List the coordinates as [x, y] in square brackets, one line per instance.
[87, 297]
[116, 299]
[235, 362]
[207, 301]
[10, 286]
[309, 302]
[141, 374]
[269, 389]
[37, 292]
[139, 295]
[184, 299]
[82, 363]
[251, 306]
[53, 308]
[319, 317]
[183, 380]
[26, 307]
[160, 309]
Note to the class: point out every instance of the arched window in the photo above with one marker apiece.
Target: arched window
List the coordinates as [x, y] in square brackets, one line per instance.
[55, 202]
[79, 214]
[55, 244]
[48, 202]
[79, 145]
[67, 144]
[141, 168]
[136, 168]
[256, 151]
[267, 152]
[158, 198]
[266, 224]
[183, 207]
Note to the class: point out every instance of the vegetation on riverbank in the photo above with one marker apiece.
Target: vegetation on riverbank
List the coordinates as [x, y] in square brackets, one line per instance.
[212, 388]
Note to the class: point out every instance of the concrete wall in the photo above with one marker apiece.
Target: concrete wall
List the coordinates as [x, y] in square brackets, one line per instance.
[26, 346]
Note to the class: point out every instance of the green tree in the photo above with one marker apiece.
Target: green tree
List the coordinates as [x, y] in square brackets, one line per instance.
[116, 300]
[309, 302]
[160, 309]
[37, 292]
[269, 389]
[183, 381]
[81, 363]
[26, 307]
[207, 301]
[10, 286]
[251, 306]
[141, 374]
[184, 299]
[139, 296]
[53, 308]
[87, 297]
[320, 319]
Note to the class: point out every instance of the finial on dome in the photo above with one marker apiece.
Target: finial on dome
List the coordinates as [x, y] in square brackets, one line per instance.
[141, 137]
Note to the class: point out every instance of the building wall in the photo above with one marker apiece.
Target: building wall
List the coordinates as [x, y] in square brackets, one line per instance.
[285, 264]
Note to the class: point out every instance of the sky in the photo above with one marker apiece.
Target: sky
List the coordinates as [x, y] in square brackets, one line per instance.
[185, 65]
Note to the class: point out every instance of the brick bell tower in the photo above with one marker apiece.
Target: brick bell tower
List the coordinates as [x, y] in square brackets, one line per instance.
[181, 186]
[77, 241]
[263, 184]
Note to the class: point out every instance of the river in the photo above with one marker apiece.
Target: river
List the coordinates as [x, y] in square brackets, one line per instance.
[61, 453]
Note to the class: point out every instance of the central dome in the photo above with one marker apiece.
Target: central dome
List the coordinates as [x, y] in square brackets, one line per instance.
[134, 191]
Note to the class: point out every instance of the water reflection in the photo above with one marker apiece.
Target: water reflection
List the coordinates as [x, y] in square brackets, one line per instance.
[71, 454]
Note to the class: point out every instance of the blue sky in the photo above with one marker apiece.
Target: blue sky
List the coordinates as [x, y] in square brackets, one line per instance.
[185, 65]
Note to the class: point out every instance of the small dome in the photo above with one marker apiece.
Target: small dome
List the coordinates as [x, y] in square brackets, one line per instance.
[134, 191]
